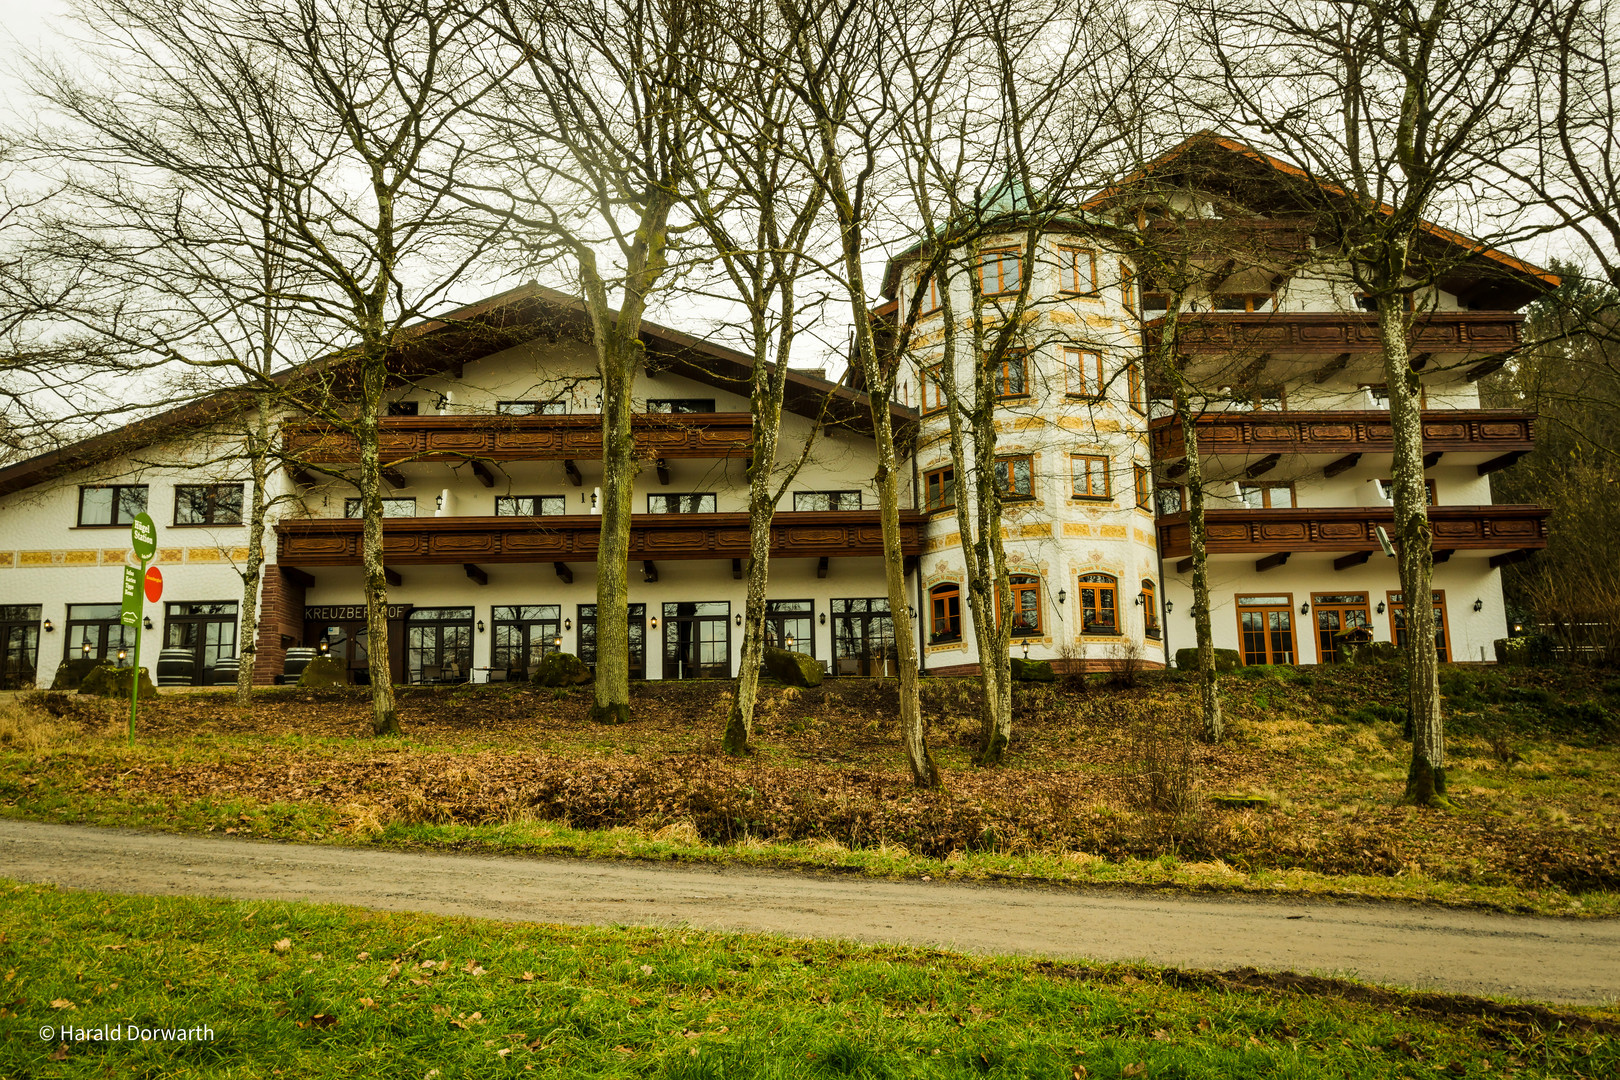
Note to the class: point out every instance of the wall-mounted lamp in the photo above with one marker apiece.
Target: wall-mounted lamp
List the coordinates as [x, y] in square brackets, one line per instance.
[48, 626]
[324, 647]
[593, 500]
[438, 502]
[654, 621]
[911, 612]
[568, 624]
[823, 618]
[598, 401]
[1169, 606]
[1305, 608]
[1380, 607]
[1479, 605]
[480, 626]
[738, 618]
[1063, 594]
[1141, 598]
[787, 642]
[147, 622]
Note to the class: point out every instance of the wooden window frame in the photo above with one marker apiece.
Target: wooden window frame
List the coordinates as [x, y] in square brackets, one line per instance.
[1391, 604]
[1144, 488]
[403, 408]
[931, 301]
[1017, 585]
[212, 503]
[539, 502]
[996, 257]
[1265, 495]
[1317, 604]
[1098, 582]
[937, 479]
[1287, 605]
[117, 498]
[1107, 494]
[1252, 302]
[933, 379]
[941, 609]
[1070, 261]
[1127, 287]
[1151, 626]
[1133, 388]
[1006, 473]
[700, 496]
[840, 496]
[1004, 391]
[1076, 362]
[1164, 489]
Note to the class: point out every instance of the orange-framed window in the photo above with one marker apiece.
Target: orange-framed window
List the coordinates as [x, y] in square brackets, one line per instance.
[1267, 496]
[1012, 375]
[1334, 613]
[1442, 632]
[930, 298]
[1144, 488]
[1127, 286]
[1090, 476]
[1266, 628]
[1026, 605]
[940, 487]
[1082, 371]
[1099, 604]
[1001, 271]
[1015, 476]
[1150, 608]
[946, 603]
[1077, 271]
[1133, 388]
[933, 388]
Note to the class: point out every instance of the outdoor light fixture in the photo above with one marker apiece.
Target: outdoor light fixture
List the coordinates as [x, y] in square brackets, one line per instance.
[1479, 605]
[823, 618]
[1063, 594]
[568, 624]
[324, 647]
[480, 626]
[788, 641]
[1026, 648]
[121, 654]
[911, 612]
[1169, 606]
[1141, 598]
[557, 641]
[86, 648]
[48, 626]
[1305, 607]
[1518, 628]
[438, 502]
[1380, 607]
[738, 618]
[147, 622]
[655, 622]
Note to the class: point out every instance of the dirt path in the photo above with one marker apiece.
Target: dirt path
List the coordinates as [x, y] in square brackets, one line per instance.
[1427, 948]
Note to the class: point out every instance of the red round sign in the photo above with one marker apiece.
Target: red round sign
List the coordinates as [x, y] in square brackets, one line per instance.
[154, 583]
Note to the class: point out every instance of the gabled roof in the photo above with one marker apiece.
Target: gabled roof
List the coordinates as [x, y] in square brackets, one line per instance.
[443, 344]
[1224, 165]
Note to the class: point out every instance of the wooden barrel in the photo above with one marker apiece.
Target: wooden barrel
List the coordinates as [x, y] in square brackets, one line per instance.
[298, 659]
[223, 673]
[176, 667]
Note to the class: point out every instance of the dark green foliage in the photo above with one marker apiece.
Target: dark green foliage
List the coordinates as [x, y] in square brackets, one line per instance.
[562, 669]
[1374, 652]
[70, 675]
[792, 668]
[108, 681]
[1032, 671]
[1225, 659]
[322, 673]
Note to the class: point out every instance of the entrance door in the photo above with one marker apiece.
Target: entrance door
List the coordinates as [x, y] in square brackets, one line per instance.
[208, 630]
[94, 632]
[1266, 629]
[790, 625]
[345, 643]
[438, 646]
[637, 615]
[697, 640]
[863, 637]
[1397, 623]
[19, 645]
[1336, 613]
[523, 636]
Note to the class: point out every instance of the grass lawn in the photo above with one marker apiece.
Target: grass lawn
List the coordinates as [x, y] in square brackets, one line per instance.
[297, 990]
[1534, 773]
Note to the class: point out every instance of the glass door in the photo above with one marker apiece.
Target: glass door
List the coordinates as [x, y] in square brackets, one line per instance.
[1397, 623]
[790, 625]
[638, 638]
[438, 645]
[19, 645]
[523, 636]
[1336, 613]
[697, 640]
[1266, 629]
[208, 630]
[95, 633]
[863, 637]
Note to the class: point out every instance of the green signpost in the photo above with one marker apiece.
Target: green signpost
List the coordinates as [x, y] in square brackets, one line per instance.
[138, 585]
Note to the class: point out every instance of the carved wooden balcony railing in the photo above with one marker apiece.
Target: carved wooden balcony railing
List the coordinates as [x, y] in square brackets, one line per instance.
[1285, 332]
[1475, 431]
[525, 438]
[1352, 529]
[574, 538]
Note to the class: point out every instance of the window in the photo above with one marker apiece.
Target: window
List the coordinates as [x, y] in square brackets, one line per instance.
[1012, 376]
[211, 504]
[1386, 490]
[95, 632]
[930, 298]
[404, 408]
[557, 407]
[1379, 393]
[1244, 302]
[1150, 609]
[1083, 371]
[680, 405]
[207, 631]
[19, 645]
[637, 629]
[438, 645]
[1090, 474]
[529, 505]
[114, 504]
[790, 625]
[523, 636]
[1000, 272]
[1077, 271]
[946, 615]
[1266, 629]
[826, 500]
[1144, 488]
[697, 640]
[1266, 496]
[933, 388]
[1170, 499]
[941, 488]
[1397, 623]
[1133, 388]
[392, 508]
[688, 503]
[1026, 605]
[1127, 286]
[1268, 399]
[1099, 604]
[1155, 303]
[1015, 477]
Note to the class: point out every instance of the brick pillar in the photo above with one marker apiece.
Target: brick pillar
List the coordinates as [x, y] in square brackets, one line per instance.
[281, 613]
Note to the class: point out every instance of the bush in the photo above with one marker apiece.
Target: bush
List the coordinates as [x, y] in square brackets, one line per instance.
[561, 669]
[1526, 649]
[1225, 660]
[322, 673]
[1378, 714]
[1032, 671]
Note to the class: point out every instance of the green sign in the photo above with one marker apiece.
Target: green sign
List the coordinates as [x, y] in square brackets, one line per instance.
[134, 602]
[143, 537]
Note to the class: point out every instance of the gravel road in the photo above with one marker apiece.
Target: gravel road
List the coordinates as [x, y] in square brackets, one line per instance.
[1552, 960]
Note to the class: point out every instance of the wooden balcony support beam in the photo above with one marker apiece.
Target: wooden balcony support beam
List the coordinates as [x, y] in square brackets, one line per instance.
[564, 574]
[1185, 566]
[572, 472]
[393, 578]
[663, 471]
[298, 577]
[1442, 555]
[1430, 460]
[1263, 466]
[1420, 360]
[1355, 558]
[1479, 371]
[1344, 464]
[821, 571]
[481, 471]
[736, 569]
[395, 479]
[649, 570]
[1332, 368]
[1271, 562]
[299, 475]
[1507, 558]
[474, 573]
[1177, 470]
[1499, 463]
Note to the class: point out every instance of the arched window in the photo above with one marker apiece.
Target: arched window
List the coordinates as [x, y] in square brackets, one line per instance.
[1099, 604]
[947, 613]
[1026, 605]
[1150, 608]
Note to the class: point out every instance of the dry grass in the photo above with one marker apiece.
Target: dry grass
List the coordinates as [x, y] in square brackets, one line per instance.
[24, 727]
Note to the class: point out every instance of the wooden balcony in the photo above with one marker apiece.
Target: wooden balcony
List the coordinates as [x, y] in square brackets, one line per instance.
[1500, 435]
[1285, 333]
[574, 538]
[405, 439]
[1510, 532]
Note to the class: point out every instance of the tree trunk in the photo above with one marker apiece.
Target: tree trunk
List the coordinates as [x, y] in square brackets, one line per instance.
[1426, 779]
[611, 690]
[1209, 694]
[384, 715]
[258, 459]
[761, 509]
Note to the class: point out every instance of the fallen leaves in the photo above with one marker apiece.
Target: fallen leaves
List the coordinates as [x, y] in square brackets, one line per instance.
[285, 943]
